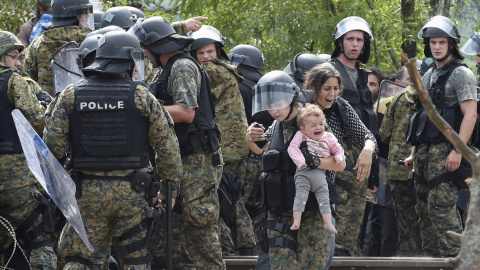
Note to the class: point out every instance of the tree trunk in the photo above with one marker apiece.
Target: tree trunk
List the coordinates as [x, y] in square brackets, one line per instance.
[434, 6]
[469, 256]
[409, 45]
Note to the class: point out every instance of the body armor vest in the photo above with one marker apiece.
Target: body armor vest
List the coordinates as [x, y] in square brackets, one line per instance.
[107, 130]
[9, 142]
[421, 129]
[359, 96]
[277, 181]
[188, 136]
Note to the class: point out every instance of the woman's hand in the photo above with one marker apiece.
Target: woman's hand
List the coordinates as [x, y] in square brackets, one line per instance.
[364, 164]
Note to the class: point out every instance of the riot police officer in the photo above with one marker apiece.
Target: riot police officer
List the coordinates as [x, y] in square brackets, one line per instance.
[472, 47]
[230, 116]
[352, 38]
[21, 203]
[277, 93]
[183, 87]
[109, 122]
[439, 169]
[72, 21]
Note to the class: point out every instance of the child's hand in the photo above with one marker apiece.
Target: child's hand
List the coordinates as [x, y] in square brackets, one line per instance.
[303, 166]
[339, 160]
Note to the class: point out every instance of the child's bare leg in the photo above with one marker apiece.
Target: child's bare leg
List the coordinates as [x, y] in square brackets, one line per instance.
[327, 223]
[297, 216]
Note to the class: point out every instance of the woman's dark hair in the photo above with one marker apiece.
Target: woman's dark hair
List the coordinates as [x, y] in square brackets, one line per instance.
[44, 5]
[318, 75]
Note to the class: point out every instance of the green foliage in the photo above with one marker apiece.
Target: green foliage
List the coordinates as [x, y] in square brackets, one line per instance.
[15, 13]
[282, 29]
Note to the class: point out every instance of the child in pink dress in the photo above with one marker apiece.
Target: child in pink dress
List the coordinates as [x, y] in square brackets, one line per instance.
[320, 143]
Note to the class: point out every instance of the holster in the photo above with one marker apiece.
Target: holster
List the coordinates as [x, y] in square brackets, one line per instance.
[261, 234]
[155, 227]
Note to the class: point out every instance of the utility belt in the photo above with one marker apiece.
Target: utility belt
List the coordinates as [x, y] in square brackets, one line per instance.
[208, 140]
[139, 181]
[252, 154]
[262, 225]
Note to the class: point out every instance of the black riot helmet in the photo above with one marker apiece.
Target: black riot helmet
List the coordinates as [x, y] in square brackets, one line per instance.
[88, 48]
[247, 55]
[104, 30]
[158, 36]
[300, 64]
[441, 26]
[70, 12]
[274, 91]
[137, 12]
[352, 23]
[117, 52]
[119, 16]
[207, 35]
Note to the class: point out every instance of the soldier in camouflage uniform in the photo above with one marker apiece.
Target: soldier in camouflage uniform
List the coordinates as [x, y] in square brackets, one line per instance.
[72, 21]
[110, 161]
[439, 169]
[352, 37]
[20, 199]
[230, 116]
[392, 131]
[183, 87]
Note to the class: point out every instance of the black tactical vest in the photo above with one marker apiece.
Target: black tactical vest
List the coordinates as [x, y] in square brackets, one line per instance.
[9, 142]
[277, 181]
[204, 120]
[359, 96]
[421, 129]
[107, 131]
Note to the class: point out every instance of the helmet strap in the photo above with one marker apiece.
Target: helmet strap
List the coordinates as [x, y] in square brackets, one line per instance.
[291, 110]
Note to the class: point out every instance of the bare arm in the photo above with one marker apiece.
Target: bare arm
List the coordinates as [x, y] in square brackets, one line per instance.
[331, 165]
[469, 110]
[181, 114]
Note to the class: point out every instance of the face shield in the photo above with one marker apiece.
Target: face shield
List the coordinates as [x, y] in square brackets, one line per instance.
[138, 57]
[138, 31]
[472, 46]
[66, 66]
[85, 16]
[273, 96]
[387, 91]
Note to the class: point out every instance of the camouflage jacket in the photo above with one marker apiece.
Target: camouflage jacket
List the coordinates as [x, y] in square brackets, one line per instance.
[14, 166]
[229, 108]
[393, 132]
[160, 134]
[39, 54]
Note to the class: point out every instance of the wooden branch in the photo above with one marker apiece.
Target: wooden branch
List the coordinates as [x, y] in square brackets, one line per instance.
[432, 113]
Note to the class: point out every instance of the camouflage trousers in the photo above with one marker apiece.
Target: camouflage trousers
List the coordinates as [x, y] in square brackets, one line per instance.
[16, 205]
[313, 243]
[350, 209]
[109, 208]
[196, 229]
[239, 222]
[409, 239]
[437, 211]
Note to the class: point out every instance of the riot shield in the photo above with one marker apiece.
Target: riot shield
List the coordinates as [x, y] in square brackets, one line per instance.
[51, 175]
[66, 66]
[387, 91]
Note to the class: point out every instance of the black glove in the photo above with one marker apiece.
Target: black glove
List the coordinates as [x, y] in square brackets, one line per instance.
[44, 98]
[311, 160]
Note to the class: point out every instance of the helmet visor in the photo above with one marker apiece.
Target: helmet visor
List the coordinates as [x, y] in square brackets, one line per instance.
[389, 89]
[472, 46]
[272, 96]
[85, 16]
[138, 57]
[138, 31]
[288, 69]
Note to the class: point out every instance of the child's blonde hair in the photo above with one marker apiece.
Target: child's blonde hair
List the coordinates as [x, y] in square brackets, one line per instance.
[310, 109]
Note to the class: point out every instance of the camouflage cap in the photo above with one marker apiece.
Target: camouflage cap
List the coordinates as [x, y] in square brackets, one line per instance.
[8, 42]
